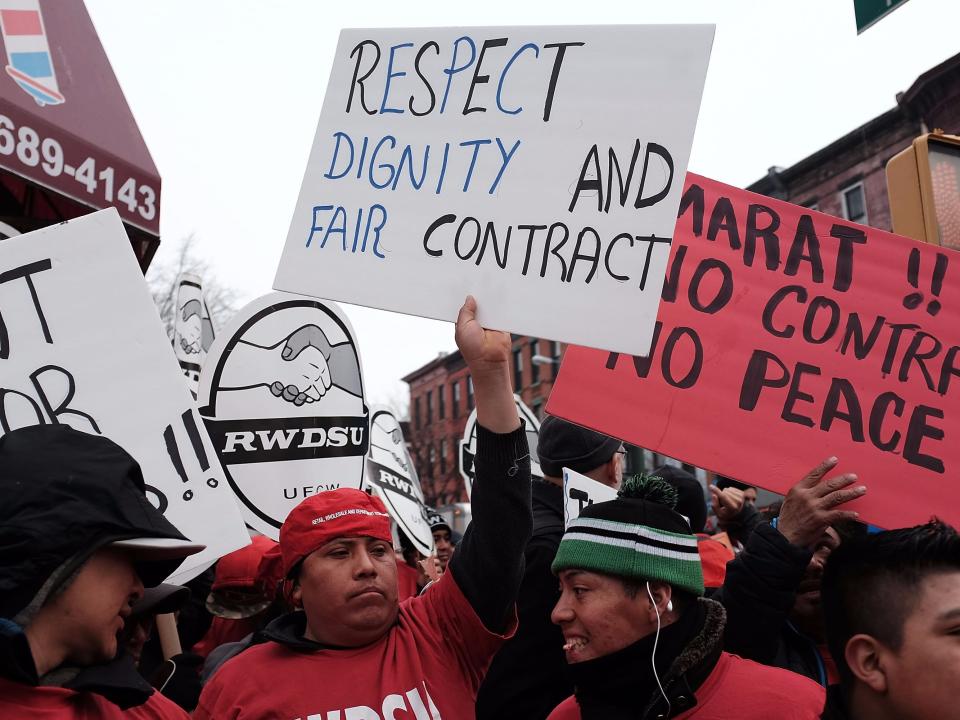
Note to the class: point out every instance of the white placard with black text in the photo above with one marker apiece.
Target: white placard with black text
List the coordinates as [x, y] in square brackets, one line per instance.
[281, 393]
[83, 345]
[538, 168]
[579, 491]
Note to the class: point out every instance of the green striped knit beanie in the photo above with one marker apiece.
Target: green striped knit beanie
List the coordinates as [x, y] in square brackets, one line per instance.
[638, 536]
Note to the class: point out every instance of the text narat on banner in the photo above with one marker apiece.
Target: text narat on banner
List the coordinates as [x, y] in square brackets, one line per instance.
[503, 162]
[787, 336]
[81, 344]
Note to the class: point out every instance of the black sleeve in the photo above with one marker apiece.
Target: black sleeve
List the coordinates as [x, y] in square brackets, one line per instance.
[759, 591]
[741, 527]
[528, 677]
[488, 562]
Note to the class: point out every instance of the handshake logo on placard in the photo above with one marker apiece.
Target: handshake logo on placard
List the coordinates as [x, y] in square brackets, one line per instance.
[305, 375]
[283, 384]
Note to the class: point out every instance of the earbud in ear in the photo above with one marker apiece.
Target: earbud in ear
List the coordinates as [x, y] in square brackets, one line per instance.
[669, 605]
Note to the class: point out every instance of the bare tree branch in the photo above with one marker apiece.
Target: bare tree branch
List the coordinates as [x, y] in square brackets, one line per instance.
[162, 281]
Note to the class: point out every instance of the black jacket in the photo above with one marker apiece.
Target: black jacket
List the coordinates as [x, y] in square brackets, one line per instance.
[528, 677]
[63, 495]
[758, 593]
[836, 707]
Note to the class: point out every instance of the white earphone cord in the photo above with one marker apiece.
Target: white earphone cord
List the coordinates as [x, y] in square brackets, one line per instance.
[653, 656]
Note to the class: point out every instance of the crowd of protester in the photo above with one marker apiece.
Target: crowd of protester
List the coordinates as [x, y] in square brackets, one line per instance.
[632, 611]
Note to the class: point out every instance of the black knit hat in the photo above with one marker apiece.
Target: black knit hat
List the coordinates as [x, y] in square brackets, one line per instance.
[637, 536]
[691, 502]
[563, 444]
[63, 495]
[435, 520]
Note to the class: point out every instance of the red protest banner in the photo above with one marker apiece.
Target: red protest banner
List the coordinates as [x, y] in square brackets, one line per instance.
[786, 336]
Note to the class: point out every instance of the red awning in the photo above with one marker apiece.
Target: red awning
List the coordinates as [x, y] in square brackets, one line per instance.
[64, 122]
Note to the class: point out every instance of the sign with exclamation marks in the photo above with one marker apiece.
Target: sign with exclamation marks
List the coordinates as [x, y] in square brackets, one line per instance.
[196, 445]
[915, 299]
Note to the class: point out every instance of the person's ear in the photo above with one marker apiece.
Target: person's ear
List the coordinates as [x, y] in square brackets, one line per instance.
[865, 657]
[615, 470]
[296, 595]
[659, 599]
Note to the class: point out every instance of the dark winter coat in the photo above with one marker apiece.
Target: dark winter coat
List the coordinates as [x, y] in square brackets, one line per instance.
[528, 677]
[758, 593]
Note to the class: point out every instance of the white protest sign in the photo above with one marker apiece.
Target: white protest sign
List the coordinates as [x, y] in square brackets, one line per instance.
[468, 444]
[579, 491]
[82, 345]
[533, 167]
[193, 331]
[392, 476]
[282, 396]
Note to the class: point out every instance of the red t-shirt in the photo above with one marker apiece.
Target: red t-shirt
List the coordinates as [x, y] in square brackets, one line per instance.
[428, 667]
[406, 580]
[741, 689]
[54, 703]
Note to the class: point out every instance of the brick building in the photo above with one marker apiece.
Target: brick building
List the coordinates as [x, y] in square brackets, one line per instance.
[441, 400]
[847, 177]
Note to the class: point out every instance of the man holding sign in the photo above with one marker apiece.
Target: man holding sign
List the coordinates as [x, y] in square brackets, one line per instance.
[353, 651]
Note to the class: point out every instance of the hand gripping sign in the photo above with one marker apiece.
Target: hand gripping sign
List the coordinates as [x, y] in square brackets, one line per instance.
[193, 331]
[282, 396]
[468, 445]
[391, 475]
[81, 344]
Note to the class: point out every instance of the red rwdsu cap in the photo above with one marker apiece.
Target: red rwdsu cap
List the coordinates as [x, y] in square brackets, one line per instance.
[330, 515]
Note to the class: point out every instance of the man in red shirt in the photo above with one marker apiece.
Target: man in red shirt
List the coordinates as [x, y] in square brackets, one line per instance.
[78, 542]
[353, 652]
[640, 640]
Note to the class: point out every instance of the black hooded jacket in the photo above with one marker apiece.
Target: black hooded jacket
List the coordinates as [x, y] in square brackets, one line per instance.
[63, 495]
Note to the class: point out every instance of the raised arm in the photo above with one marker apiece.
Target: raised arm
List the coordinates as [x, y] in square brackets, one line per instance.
[488, 562]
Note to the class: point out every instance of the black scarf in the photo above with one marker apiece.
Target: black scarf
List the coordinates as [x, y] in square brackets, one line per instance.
[622, 684]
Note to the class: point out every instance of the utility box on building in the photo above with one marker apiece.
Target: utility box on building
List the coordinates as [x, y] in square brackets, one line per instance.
[923, 183]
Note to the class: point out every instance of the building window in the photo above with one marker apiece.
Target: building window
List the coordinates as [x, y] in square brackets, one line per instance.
[432, 459]
[416, 413]
[534, 367]
[456, 399]
[555, 356]
[854, 203]
[441, 403]
[443, 456]
[429, 406]
[517, 369]
[469, 393]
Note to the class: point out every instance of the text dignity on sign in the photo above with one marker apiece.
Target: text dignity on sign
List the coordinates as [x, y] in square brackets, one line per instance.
[385, 162]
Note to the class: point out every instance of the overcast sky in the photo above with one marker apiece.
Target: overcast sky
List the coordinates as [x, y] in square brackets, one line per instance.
[227, 95]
